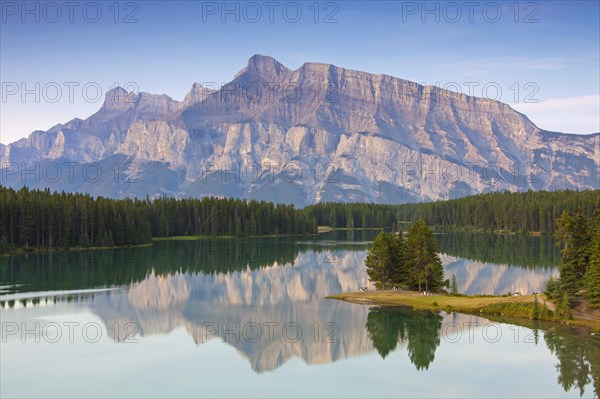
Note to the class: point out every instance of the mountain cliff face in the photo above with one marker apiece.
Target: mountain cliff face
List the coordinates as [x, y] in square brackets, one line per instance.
[318, 133]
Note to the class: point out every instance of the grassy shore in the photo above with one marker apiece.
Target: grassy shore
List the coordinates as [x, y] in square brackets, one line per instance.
[33, 250]
[39, 250]
[522, 306]
[188, 238]
[327, 229]
[204, 237]
[439, 229]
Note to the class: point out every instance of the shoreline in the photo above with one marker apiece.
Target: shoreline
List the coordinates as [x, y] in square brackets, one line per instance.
[321, 230]
[445, 229]
[44, 250]
[520, 307]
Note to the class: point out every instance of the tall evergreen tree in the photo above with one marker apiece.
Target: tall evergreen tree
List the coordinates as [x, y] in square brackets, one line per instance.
[453, 285]
[592, 276]
[573, 235]
[378, 261]
[399, 273]
[425, 266]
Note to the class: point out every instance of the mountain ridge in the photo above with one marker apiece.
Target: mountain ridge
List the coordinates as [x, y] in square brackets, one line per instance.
[317, 133]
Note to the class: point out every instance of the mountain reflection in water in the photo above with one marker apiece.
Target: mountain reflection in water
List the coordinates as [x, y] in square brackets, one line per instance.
[265, 297]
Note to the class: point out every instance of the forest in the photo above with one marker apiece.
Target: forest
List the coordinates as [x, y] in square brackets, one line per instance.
[531, 211]
[32, 219]
[41, 219]
[579, 240]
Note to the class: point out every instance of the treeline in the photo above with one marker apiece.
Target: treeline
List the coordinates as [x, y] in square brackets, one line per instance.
[503, 211]
[41, 219]
[579, 238]
[215, 216]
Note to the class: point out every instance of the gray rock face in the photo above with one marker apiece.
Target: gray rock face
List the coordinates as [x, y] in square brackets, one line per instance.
[319, 133]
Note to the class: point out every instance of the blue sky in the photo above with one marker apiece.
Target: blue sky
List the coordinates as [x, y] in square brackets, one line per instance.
[542, 57]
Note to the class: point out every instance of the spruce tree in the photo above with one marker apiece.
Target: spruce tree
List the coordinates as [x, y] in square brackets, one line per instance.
[378, 261]
[454, 286]
[399, 273]
[425, 266]
[592, 276]
[573, 235]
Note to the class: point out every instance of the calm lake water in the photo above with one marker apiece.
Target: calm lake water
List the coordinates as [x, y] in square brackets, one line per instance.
[248, 317]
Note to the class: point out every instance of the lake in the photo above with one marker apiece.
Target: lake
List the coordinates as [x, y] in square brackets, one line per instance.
[248, 317]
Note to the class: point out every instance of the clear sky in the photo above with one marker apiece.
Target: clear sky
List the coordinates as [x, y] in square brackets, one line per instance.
[542, 57]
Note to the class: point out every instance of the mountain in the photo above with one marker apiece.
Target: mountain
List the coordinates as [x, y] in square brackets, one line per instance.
[317, 133]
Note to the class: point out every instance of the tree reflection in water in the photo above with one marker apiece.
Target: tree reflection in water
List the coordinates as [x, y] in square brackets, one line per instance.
[578, 355]
[387, 326]
[577, 351]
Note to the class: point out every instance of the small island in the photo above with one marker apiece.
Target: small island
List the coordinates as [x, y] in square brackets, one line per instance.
[407, 271]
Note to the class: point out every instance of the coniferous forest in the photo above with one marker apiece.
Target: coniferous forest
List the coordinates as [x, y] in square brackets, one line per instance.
[531, 211]
[41, 219]
[579, 239]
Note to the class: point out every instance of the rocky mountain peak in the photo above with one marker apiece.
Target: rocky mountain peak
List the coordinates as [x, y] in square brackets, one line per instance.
[196, 94]
[264, 68]
[118, 100]
[390, 140]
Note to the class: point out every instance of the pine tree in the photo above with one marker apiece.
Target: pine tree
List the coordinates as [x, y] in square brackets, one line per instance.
[378, 261]
[592, 276]
[3, 240]
[399, 273]
[163, 226]
[563, 305]
[85, 240]
[453, 285]
[424, 263]
[572, 233]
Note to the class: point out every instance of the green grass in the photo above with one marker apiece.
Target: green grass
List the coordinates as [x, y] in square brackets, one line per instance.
[422, 302]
